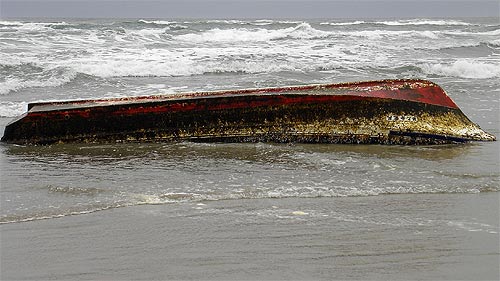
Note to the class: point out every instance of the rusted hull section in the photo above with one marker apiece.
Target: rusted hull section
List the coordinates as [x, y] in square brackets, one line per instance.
[387, 112]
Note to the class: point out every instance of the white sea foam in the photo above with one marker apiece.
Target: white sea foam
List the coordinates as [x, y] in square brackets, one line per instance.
[135, 65]
[343, 23]
[464, 69]
[258, 46]
[10, 23]
[196, 61]
[463, 33]
[147, 34]
[415, 22]
[423, 22]
[428, 34]
[12, 109]
[227, 35]
[33, 26]
[166, 25]
[382, 34]
[177, 67]
[263, 22]
[301, 31]
[6, 60]
[297, 189]
[227, 21]
[159, 22]
[495, 32]
[49, 79]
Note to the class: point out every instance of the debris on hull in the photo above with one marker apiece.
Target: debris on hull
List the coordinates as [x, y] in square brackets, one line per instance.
[385, 112]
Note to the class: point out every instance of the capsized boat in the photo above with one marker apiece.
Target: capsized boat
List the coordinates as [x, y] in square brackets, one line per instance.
[384, 112]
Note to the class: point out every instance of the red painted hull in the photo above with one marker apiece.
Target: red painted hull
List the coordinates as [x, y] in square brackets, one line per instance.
[390, 111]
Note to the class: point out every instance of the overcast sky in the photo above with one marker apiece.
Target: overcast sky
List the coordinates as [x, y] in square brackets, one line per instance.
[247, 8]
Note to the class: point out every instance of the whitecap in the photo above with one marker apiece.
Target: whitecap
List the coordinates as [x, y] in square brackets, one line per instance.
[130, 65]
[463, 69]
[50, 78]
[146, 34]
[306, 31]
[263, 22]
[381, 34]
[358, 22]
[10, 23]
[162, 63]
[428, 34]
[226, 21]
[495, 32]
[158, 22]
[301, 31]
[423, 22]
[33, 26]
[227, 35]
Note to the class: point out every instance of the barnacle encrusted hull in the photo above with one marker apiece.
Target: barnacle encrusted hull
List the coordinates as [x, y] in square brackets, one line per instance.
[387, 112]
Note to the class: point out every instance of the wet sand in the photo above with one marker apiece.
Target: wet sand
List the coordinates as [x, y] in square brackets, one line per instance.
[413, 236]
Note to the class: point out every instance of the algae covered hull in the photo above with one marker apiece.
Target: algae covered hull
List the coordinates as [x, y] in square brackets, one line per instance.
[387, 112]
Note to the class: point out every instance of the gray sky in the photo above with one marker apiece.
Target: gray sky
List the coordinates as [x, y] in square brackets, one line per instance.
[247, 8]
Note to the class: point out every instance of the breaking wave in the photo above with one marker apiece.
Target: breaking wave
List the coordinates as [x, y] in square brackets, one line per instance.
[157, 22]
[344, 23]
[423, 22]
[301, 31]
[34, 57]
[463, 69]
[415, 22]
[179, 67]
[29, 75]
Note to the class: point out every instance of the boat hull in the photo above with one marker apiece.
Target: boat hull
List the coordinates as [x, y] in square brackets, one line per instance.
[385, 112]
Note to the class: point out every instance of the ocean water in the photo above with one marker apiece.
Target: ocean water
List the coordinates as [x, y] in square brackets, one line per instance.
[248, 211]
